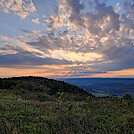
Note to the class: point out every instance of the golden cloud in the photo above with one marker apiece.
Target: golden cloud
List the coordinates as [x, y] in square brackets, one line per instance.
[73, 56]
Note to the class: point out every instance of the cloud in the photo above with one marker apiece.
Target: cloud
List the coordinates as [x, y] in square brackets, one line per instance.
[126, 73]
[8, 49]
[76, 8]
[51, 71]
[117, 7]
[73, 56]
[22, 8]
[36, 20]
[44, 42]
[102, 19]
[67, 13]
[78, 26]
[20, 46]
[21, 53]
[82, 73]
[116, 58]
[97, 39]
[13, 60]
[129, 7]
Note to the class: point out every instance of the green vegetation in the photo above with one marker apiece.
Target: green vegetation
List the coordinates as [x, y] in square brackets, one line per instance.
[35, 105]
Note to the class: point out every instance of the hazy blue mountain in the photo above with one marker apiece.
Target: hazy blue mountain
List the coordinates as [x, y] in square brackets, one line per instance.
[104, 86]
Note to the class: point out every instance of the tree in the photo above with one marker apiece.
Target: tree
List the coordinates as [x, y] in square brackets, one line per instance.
[128, 97]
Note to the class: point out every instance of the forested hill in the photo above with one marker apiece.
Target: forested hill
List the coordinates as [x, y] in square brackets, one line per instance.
[30, 86]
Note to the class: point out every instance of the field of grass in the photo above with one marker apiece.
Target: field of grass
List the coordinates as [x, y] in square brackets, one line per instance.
[95, 116]
[64, 113]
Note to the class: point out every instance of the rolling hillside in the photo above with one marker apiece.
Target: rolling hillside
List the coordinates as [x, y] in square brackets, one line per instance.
[40, 88]
[36, 105]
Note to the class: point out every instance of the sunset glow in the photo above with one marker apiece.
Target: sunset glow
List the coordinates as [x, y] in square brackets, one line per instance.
[67, 38]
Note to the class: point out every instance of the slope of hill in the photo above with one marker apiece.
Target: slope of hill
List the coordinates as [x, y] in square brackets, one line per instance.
[39, 105]
[40, 88]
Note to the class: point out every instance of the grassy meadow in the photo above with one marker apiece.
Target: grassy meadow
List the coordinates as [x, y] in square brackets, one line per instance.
[38, 109]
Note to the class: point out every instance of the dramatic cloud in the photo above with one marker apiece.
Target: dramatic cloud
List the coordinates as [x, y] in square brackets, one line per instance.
[88, 38]
[73, 56]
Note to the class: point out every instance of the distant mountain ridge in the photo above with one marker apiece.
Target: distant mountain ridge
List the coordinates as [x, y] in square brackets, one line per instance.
[104, 86]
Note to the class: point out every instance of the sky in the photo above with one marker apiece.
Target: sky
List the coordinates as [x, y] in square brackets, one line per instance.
[67, 38]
